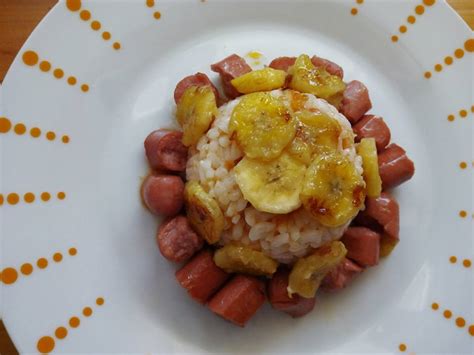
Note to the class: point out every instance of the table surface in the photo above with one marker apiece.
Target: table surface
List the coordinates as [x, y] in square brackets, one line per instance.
[18, 18]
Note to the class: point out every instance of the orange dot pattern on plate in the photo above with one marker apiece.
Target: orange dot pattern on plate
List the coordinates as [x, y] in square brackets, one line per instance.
[459, 321]
[411, 19]
[467, 263]
[10, 274]
[13, 198]
[31, 58]
[458, 54]
[354, 10]
[46, 344]
[462, 214]
[86, 15]
[463, 113]
[72, 251]
[402, 347]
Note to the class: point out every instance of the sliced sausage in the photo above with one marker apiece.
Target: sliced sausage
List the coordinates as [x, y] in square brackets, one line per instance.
[339, 277]
[394, 166]
[382, 214]
[165, 151]
[163, 194]
[355, 101]
[296, 306]
[239, 299]
[331, 67]
[230, 68]
[198, 79]
[371, 126]
[201, 277]
[282, 63]
[363, 245]
[177, 240]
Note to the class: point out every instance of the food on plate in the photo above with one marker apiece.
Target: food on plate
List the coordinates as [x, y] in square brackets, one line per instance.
[283, 179]
[239, 299]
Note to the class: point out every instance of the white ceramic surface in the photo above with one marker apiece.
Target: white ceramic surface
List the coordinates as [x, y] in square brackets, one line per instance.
[100, 170]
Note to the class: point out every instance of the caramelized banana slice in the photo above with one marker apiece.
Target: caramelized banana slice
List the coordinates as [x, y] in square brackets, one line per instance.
[314, 80]
[367, 149]
[260, 80]
[242, 259]
[308, 272]
[333, 191]
[272, 187]
[195, 112]
[203, 212]
[263, 125]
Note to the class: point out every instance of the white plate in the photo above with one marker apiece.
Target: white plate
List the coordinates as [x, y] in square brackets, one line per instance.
[130, 94]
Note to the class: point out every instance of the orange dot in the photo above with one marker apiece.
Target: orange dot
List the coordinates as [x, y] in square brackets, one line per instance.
[469, 45]
[420, 9]
[13, 198]
[45, 345]
[453, 259]
[71, 80]
[471, 330]
[106, 35]
[99, 301]
[451, 118]
[360, 1]
[26, 269]
[58, 73]
[402, 347]
[20, 129]
[157, 15]
[354, 11]
[460, 322]
[429, 2]
[448, 60]
[45, 66]
[459, 53]
[87, 311]
[447, 314]
[9, 276]
[411, 19]
[438, 67]
[403, 29]
[466, 263]
[95, 25]
[463, 165]
[116, 45]
[73, 5]
[30, 58]
[72, 251]
[5, 125]
[85, 87]
[463, 113]
[61, 333]
[35, 132]
[42, 263]
[150, 3]
[29, 197]
[45, 196]
[65, 139]
[61, 195]
[394, 38]
[1, 199]
[435, 306]
[51, 136]
[472, 109]
[74, 322]
[427, 75]
[57, 257]
[85, 15]
[462, 214]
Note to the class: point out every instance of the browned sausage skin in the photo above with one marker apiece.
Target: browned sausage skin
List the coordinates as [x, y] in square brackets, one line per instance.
[339, 277]
[356, 101]
[331, 67]
[230, 68]
[163, 194]
[363, 245]
[239, 299]
[201, 277]
[198, 79]
[177, 241]
[296, 306]
[371, 126]
[394, 166]
[165, 151]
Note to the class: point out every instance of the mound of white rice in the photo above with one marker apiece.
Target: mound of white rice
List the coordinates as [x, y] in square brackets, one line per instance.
[282, 237]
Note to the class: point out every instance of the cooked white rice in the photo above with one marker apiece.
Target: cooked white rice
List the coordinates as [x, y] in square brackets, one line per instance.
[283, 237]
